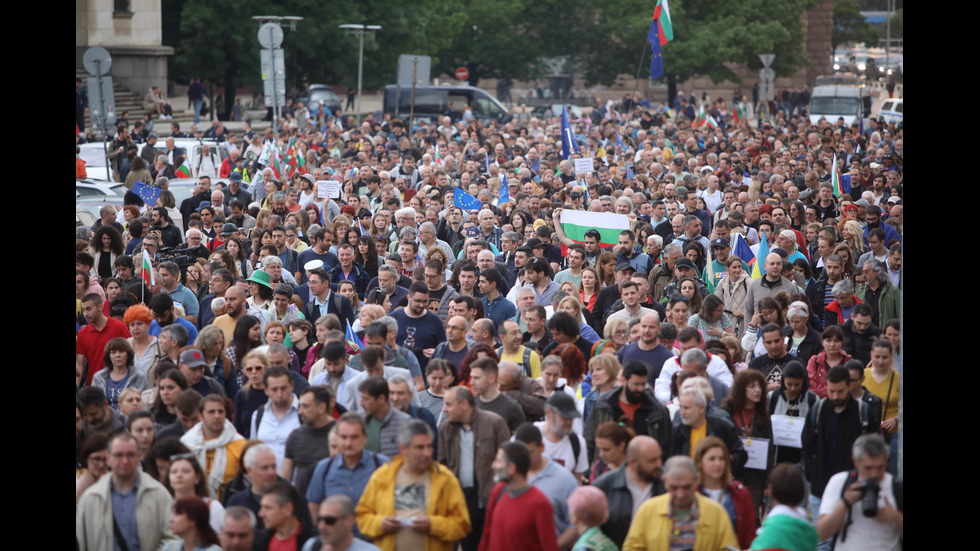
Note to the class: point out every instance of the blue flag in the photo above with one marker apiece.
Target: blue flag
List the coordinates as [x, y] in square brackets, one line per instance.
[740, 248]
[619, 144]
[629, 174]
[536, 167]
[656, 58]
[487, 163]
[352, 340]
[504, 191]
[845, 183]
[149, 194]
[568, 143]
[465, 201]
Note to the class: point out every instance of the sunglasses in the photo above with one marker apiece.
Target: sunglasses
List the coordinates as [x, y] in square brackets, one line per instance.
[329, 520]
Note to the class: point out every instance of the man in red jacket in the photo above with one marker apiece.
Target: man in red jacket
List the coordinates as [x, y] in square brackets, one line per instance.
[519, 516]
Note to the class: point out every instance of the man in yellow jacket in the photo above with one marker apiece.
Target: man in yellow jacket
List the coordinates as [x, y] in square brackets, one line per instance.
[412, 503]
[681, 518]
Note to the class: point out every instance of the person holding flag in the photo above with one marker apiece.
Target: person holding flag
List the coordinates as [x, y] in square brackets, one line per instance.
[768, 285]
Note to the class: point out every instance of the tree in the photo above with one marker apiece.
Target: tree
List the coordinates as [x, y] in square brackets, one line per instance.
[498, 39]
[708, 34]
[850, 26]
[217, 41]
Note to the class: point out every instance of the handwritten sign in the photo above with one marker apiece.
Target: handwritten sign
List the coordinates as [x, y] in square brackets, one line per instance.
[583, 166]
[758, 449]
[787, 431]
[327, 189]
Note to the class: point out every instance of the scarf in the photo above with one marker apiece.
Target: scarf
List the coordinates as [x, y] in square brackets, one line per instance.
[194, 439]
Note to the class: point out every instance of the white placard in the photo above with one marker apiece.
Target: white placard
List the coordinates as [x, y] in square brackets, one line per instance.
[758, 449]
[584, 166]
[327, 188]
[787, 431]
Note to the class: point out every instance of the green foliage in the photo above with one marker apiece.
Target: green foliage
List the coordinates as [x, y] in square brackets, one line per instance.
[498, 39]
[850, 26]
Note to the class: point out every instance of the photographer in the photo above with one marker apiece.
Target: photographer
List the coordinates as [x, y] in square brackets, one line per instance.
[863, 507]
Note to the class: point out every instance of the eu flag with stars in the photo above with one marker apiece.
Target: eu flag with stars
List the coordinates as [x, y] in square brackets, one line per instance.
[629, 174]
[657, 58]
[465, 201]
[504, 191]
[149, 194]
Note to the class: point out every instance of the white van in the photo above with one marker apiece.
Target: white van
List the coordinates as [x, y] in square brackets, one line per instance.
[892, 110]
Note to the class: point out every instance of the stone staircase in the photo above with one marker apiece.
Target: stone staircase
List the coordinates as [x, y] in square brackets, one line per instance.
[128, 100]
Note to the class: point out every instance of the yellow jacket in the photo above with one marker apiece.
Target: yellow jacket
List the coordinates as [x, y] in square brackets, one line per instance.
[651, 527]
[449, 517]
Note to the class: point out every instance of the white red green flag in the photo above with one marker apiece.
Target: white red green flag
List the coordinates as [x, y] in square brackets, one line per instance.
[146, 269]
[609, 225]
[835, 178]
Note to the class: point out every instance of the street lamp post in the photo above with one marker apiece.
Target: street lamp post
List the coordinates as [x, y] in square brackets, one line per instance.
[360, 31]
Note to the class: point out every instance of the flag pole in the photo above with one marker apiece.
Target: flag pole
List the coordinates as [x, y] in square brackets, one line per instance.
[639, 67]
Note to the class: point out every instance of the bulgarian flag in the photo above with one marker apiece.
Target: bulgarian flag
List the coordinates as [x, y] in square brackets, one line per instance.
[835, 178]
[146, 269]
[183, 171]
[738, 114]
[700, 120]
[609, 225]
[438, 156]
[662, 15]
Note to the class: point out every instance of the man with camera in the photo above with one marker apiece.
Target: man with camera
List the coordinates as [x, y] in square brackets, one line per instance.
[863, 507]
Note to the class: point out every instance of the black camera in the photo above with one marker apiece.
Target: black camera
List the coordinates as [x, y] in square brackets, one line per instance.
[869, 499]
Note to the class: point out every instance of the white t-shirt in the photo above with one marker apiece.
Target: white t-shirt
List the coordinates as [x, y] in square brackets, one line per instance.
[864, 534]
[561, 452]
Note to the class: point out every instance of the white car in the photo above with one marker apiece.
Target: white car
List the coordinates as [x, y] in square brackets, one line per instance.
[94, 189]
[892, 110]
[95, 162]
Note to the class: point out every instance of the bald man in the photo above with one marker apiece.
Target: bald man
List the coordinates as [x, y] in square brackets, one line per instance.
[644, 458]
[768, 286]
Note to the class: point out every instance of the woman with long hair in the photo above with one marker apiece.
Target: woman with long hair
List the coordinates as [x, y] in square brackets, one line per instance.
[797, 215]
[678, 310]
[883, 380]
[854, 237]
[611, 439]
[573, 307]
[186, 478]
[211, 342]
[366, 254]
[573, 370]
[589, 287]
[246, 337]
[748, 407]
[340, 226]
[712, 321]
[768, 311]
[235, 247]
[732, 289]
[260, 238]
[191, 523]
[735, 353]
[694, 252]
[106, 245]
[607, 268]
[140, 424]
[380, 225]
[313, 214]
[715, 471]
[119, 372]
[832, 355]
[172, 382]
[347, 288]
[252, 396]
[689, 290]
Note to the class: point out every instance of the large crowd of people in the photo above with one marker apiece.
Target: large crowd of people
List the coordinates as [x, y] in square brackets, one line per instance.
[326, 347]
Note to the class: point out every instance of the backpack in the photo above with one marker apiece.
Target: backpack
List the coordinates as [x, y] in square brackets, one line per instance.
[525, 362]
[863, 414]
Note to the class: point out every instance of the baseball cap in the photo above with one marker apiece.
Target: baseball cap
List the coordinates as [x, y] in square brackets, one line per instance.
[194, 358]
[565, 405]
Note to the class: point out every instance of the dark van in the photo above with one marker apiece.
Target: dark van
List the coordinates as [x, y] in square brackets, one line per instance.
[432, 102]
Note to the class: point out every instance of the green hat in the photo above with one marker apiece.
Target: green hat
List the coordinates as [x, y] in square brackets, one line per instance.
[262, 278]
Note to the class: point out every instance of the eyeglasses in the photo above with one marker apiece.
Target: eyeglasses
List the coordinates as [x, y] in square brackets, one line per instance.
[328, 520]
